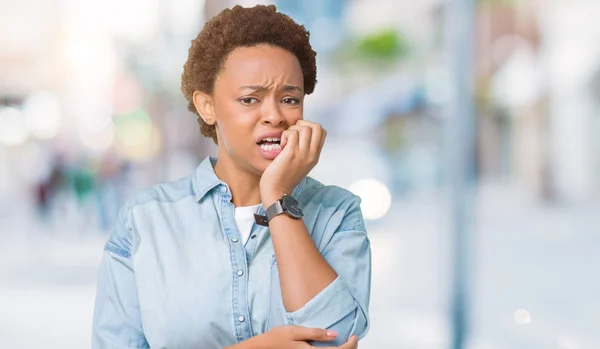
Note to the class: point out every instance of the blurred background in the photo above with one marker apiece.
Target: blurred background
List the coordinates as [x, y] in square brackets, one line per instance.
[507, 178]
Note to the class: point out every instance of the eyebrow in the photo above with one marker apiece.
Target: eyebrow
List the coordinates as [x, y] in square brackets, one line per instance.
[258, 88]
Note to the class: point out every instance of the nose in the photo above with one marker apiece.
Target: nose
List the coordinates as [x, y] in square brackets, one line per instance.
[271, 114]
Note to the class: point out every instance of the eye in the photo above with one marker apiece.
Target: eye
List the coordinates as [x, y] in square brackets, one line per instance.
[291, 100]
[248, 100]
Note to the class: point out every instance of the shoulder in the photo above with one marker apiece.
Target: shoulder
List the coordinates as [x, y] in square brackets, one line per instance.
[149, 201]
[332, 202]
[145, 203]
[328, 195]
[167, 192]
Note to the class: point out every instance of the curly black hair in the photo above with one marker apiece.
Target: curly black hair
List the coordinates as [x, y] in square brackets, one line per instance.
[242, 27]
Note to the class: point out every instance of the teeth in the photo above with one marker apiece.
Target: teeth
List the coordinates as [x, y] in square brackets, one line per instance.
[271, 139]
[270, 147]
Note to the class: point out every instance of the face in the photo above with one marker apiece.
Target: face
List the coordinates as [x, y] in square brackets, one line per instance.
[258, 94]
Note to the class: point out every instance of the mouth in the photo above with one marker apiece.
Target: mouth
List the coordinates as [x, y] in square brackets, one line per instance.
[270, 144]
[269, 147]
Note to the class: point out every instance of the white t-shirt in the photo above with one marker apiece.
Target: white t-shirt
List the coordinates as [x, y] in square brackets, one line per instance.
[244, 217]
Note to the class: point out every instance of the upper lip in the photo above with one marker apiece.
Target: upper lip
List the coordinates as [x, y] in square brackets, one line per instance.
[274, 134]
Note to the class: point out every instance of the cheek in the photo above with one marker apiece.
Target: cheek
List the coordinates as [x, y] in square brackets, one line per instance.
[238, 124]
[236, 128]
[235, 121]
[293, 115]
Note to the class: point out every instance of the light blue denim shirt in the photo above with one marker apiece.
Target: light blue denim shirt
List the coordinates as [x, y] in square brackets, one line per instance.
[175, 273]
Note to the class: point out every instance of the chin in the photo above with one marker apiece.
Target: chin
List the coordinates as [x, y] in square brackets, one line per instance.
[260, 165]
[253, 163]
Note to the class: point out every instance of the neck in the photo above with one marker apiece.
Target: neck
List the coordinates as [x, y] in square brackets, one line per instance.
[244, 186]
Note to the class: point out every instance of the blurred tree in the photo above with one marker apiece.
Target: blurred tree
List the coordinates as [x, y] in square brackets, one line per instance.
[387, 44]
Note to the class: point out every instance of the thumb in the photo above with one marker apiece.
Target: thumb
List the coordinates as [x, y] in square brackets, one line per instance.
[313, 334]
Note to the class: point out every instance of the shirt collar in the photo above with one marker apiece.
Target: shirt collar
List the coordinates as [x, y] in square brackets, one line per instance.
[205, 179]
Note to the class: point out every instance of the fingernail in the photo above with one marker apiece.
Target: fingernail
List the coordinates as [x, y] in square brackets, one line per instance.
[332, 333]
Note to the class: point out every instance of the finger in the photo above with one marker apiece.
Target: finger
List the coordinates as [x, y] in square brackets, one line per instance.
[304, 141]
[321, 141]
[317, 133]
[352, 343]
[304, 123]
[313, 334]
[290, 140]
[283, 140]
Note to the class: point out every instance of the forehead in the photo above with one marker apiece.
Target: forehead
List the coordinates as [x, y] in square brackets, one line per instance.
[261, 64]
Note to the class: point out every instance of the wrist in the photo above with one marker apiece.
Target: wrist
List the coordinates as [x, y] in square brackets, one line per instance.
[271, 196]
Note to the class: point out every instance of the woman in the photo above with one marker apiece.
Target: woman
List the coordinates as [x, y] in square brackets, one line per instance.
[247, 251]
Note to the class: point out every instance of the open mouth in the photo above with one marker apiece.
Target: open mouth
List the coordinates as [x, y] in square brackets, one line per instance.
[270, 144]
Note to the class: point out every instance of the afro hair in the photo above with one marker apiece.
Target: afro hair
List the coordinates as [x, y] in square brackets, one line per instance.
[242, 27]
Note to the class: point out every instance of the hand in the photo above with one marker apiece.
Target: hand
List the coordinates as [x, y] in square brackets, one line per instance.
[296, 337]
[301, 147]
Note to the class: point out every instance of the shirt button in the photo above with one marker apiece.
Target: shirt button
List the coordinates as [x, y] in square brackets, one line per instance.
[241, 318]
[234, 240]
[240, 272]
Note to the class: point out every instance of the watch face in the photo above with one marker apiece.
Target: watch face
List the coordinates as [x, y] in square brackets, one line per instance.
[291, 206]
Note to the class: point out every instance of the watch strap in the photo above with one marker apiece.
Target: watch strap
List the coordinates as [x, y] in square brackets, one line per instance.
[272, 211]
[261, 220]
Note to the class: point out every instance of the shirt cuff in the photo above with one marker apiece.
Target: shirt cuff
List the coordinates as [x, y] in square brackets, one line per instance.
[326, 309]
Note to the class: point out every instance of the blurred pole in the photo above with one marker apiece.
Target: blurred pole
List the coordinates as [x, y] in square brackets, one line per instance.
[460, 155]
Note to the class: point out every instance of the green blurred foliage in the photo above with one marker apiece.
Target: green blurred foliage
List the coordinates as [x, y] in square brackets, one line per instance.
[384, 45]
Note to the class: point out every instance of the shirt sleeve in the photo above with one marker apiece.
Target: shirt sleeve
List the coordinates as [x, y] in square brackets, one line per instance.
[117, 321]
[343, 305]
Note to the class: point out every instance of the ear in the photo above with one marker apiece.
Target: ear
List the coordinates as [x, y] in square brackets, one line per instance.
[204, 106]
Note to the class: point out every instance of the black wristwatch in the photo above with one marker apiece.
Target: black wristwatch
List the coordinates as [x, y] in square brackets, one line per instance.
[286, 204]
